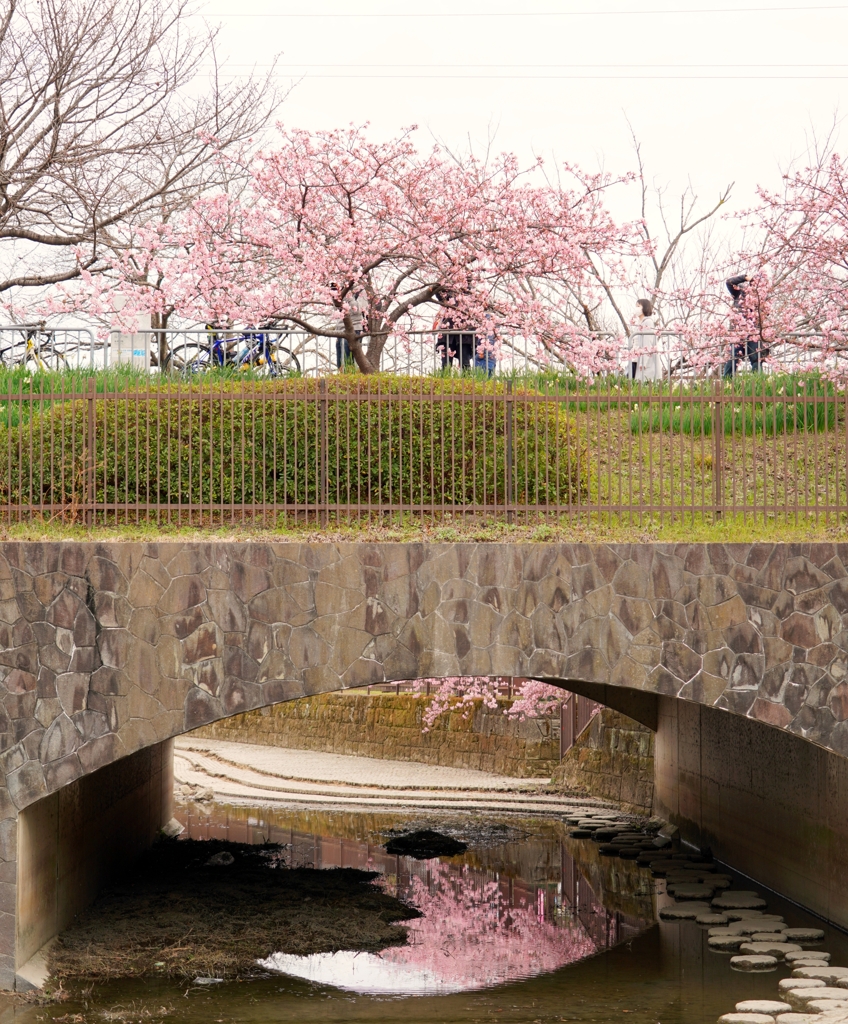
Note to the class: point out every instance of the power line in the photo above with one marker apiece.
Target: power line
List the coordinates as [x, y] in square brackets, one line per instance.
[359, 64]
[532, 14]
[564, 78]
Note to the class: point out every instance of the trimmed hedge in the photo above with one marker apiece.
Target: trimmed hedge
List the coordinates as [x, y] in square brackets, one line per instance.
[346, 440]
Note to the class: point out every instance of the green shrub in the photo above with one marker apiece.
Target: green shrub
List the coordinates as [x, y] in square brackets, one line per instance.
[347, 440]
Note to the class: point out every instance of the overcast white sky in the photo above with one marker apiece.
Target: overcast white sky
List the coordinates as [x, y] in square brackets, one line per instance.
[716, 93]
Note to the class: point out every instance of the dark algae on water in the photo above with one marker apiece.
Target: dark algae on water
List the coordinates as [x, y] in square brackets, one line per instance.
[211, 908]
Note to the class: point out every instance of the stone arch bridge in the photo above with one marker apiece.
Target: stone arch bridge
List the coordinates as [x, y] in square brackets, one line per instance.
[736, 654]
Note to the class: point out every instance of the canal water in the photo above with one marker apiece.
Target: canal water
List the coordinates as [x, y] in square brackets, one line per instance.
[528, 925]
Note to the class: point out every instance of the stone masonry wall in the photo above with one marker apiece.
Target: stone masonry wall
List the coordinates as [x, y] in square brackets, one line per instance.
[389, 726]
[613, 758]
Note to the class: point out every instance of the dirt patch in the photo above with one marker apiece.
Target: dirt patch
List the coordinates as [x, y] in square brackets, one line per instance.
[425, 844]
[180, 916]
[471, 832]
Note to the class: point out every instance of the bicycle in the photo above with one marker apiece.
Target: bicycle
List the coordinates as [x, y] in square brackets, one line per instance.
[261, 351]
[36, 351]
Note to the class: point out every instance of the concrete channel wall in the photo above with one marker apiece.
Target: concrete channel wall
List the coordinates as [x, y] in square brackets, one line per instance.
[770, 804]
[390, 726]
[77, 840]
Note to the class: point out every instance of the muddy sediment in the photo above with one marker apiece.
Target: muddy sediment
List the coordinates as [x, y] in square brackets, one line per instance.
[188, 910]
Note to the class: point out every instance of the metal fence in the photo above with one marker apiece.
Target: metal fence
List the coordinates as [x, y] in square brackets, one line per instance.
[37, 348]
[575, 714]
[445, 451]
[653, 355]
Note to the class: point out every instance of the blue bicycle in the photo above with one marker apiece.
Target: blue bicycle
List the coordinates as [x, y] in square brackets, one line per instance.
[261, 351]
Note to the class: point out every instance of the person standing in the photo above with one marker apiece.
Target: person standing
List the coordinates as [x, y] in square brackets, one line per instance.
[454, 339]
[485, 354]
[745, 318]
[357, 309]
[647, 364]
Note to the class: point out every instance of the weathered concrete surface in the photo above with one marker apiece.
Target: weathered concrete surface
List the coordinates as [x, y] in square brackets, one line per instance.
[389, 726]
[74, 841]
[106, 649]
[613, 758]
[767, 802]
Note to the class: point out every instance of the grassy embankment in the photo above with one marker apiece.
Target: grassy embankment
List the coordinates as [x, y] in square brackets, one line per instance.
[784, 446]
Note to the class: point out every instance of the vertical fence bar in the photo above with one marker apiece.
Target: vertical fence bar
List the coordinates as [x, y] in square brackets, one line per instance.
[323, 465]
[718, 448]
[90, 484]
[508, 414]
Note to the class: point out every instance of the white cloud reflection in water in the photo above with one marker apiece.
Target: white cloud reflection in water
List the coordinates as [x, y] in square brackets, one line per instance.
[362, 972]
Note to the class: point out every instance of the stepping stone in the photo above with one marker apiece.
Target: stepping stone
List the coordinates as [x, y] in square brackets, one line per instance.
[728, 929]
[777, 949]
[739, 901]
[580, 833]
[628, 854]
[748, 962]
[603, 835]
[829, 1006]
[808, 963]
[742, 913]
[804, 934]
[729, 944]
[795, 1018]
[662, 869]
[759, 927]
[746, 1018]
[771, 1006]
[766, 935]
[690, 891]
[806, 955]
[683, 911]
[787, 984]
[609, 849]
[829, 975]
[802, 997]
[713, 919]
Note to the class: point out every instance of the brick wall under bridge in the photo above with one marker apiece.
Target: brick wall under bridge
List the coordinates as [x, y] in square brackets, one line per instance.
[111, 649]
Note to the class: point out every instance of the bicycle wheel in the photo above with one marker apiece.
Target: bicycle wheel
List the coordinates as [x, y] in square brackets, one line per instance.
[44, 356]
[190, 357]
[274, 360]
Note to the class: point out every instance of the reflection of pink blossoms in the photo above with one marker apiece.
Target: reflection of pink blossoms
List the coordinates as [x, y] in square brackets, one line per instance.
[535, 699]
[471, 935]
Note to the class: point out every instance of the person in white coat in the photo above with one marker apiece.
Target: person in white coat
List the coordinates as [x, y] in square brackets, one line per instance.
[643, 343]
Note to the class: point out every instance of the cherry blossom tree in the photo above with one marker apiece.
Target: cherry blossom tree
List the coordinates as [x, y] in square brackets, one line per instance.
[114, 113]
[802, 257]
[463, 693]
[353, 239]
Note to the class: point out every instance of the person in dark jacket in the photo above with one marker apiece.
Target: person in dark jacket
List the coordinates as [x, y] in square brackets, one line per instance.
[750, 345]
[454, 340]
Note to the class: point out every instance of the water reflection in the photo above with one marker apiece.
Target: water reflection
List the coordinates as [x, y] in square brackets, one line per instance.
[489, 917]
[363, 972]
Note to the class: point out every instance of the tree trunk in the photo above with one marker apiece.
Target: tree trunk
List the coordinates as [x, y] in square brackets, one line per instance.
[159, 322]
[368, 359]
